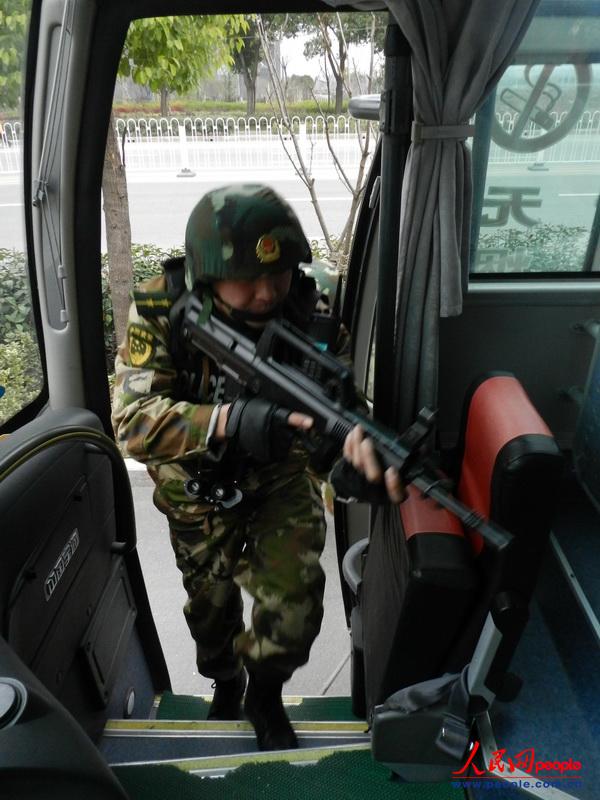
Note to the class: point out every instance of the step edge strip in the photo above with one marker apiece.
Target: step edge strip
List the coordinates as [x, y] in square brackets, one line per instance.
[167, 726]
[234, 761]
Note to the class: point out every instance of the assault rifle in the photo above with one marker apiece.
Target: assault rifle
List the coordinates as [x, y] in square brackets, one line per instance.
[288, 368]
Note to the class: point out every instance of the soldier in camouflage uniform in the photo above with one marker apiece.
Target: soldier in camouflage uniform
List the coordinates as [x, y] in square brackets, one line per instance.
[194, 430]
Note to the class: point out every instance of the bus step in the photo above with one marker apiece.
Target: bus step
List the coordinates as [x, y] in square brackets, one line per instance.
[127, 741]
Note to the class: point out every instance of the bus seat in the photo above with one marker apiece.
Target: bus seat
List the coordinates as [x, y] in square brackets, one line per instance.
[510, 466]
[433, 588]
[419, 579]
[67, 608]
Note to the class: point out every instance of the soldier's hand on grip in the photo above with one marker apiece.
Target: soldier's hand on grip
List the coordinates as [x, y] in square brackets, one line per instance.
[359, 475]
[263, 430]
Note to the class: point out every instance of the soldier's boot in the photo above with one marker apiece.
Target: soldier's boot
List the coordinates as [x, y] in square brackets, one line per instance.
[264, 709]
[227, 699]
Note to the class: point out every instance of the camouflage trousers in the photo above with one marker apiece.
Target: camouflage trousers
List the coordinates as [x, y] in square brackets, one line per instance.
[269, 545]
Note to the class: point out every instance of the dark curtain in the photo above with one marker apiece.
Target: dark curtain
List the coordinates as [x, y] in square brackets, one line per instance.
[460, 48]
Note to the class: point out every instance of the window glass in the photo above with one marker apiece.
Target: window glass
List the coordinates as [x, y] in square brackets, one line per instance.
[539, 208]
[21, 377]
[273, 108]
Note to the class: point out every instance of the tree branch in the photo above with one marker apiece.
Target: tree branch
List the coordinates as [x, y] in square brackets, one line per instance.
[338, 166]
[328, 51]
[345, 43]
[306, 176]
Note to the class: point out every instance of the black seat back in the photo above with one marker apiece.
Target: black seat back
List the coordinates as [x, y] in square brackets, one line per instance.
[68, 610]
[510, 470]
[426, 592]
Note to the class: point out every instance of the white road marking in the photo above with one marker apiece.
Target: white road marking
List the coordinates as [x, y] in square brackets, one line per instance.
[321, 199]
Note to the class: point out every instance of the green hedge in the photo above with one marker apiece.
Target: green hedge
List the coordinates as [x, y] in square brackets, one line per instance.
[20, 368]
[147, 261]
[15, 297]
[216, 108]
[541, 248]
[20, 373]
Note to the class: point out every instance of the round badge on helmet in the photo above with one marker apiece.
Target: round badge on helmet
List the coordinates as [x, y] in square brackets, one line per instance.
[267, 249]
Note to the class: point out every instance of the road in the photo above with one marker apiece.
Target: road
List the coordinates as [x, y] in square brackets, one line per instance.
[159, 209]
[160, 201]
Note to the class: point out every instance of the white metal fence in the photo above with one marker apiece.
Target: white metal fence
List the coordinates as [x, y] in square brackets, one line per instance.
[236, 128]
[236, 142]
[231, 143]
[580, 145]
[258, 141]
[10, 146]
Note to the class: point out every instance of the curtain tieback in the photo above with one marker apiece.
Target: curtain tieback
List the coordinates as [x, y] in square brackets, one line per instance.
[419, 132]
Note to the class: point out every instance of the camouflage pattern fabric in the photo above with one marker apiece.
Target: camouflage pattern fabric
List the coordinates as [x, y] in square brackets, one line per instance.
[155, 426]
[240, 232]
[270, 543]
[151, 424]
[270, 546]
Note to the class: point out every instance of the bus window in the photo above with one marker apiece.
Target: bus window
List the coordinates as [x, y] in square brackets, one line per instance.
[21, 376]
[538, 211]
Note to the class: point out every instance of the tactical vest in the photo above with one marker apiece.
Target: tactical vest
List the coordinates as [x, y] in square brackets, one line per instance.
[199, 380]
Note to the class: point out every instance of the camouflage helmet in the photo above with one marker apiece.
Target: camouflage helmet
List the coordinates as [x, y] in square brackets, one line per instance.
[239, 232]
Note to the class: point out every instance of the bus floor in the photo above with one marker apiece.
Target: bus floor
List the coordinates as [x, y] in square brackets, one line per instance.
[556, 716]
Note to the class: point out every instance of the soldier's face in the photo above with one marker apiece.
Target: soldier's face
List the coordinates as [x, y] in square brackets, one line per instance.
[258, 296]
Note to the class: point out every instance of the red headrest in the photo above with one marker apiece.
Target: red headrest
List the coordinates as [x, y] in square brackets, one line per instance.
[499, 412]
[423, 515]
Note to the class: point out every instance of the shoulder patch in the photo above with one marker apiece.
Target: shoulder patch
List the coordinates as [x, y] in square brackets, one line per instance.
[152, 304]
[141, 344]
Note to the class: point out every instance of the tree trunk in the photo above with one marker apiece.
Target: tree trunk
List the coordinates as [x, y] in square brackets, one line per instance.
[249, 72]
[328, 84]
[250, 96]
[339, 94]
[340, 76]
[246, 65]
[118, 232]
[164, 102]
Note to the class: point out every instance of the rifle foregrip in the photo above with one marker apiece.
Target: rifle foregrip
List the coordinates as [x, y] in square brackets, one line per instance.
[338, 432]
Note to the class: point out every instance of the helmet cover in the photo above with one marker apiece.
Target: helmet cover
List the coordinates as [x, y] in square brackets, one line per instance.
[240, 232]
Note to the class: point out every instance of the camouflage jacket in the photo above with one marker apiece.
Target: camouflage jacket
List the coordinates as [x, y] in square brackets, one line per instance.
[158, 424]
